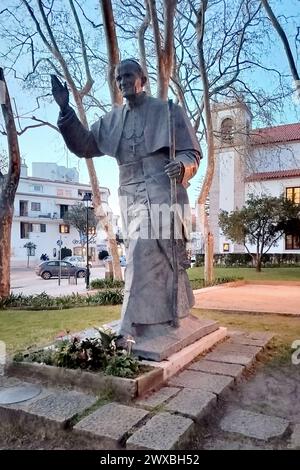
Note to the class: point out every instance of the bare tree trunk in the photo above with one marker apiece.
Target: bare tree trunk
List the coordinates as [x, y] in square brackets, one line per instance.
[164, 54]
[258, 263]
[8, 188]
[78, 95]
[209, 256]
[284, 40]
[208, 235]
[99, 211]
[141, 42]
[112, 49]
[116, 98]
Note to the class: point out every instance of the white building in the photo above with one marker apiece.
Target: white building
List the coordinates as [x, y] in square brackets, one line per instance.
[252, 161]
[40, 204]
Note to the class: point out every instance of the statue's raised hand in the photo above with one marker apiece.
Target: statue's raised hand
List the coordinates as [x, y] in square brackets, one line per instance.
[60, 92]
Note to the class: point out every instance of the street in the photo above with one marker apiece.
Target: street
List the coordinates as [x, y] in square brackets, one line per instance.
[24, 280]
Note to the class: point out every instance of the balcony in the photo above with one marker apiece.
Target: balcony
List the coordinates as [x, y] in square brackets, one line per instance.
[34, 215]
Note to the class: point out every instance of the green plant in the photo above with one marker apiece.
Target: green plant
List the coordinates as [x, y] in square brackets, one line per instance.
[200, 283]
[44, 356]
[106, 297]
[106, 283]
[44, 301]
[122, 365]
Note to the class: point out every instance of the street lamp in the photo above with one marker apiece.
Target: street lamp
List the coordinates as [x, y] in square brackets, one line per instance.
[87, 198]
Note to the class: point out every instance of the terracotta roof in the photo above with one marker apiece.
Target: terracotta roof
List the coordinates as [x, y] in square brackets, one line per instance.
[273, 175]
[268, 135]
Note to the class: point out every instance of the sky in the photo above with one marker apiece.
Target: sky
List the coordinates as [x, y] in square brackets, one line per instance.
[45, 144]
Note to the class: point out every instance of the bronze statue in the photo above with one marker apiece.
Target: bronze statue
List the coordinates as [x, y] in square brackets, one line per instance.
[137, 135]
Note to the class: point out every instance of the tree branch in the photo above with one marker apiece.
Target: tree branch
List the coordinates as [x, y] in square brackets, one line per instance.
[284, 40]
[89, 80]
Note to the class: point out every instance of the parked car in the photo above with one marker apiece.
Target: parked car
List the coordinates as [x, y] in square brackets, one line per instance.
[77, 261]
[122, 260]
[49, 269]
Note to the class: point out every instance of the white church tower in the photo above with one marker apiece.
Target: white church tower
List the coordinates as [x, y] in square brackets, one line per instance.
[232, 122]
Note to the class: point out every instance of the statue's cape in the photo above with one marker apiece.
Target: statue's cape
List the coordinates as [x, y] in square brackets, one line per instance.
[108, 129]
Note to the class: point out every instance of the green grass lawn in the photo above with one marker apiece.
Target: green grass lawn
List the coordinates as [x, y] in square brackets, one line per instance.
[270, 274]
[23, 329]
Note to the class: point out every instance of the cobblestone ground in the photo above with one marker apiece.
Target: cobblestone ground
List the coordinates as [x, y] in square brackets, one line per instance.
[271, 390]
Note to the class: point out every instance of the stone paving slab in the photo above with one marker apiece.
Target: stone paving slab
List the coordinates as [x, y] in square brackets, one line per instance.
[62, 406]
[251, 424]
[230, 357]
[163, 432]
[192, 403]
[242, 349]
[202, 381]
[158, 398]
[51, 409]
[251, 339]
[219, 444]
[295, 438]
[218, 368]
[110, 423]
[260, 337]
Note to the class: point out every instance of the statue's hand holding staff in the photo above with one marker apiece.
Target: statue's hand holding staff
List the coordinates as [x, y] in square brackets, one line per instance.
[174, 170]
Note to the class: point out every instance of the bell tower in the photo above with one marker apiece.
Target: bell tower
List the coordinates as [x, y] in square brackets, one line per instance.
[232, 122]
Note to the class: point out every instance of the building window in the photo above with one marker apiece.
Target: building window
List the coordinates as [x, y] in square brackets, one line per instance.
[293, 194]
[37, 188]
[64, 228]
[63, 209]
[43, 228]
[25, 229]
[23, 206]
[35, 206]
[61, 192]
[226, 247]
[35, 228]
[227, 129]
[292, 242]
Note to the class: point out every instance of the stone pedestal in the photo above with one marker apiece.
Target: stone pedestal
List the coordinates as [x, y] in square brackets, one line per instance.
[169, 340]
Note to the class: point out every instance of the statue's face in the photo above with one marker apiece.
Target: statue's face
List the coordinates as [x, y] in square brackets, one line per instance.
[129, 80]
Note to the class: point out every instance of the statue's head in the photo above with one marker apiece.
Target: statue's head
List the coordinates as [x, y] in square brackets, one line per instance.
[130, 77]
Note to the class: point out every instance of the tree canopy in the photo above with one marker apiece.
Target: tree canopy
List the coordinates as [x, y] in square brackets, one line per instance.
[260, 223]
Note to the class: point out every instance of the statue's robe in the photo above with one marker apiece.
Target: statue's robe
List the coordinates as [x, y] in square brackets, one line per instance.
[138, 138]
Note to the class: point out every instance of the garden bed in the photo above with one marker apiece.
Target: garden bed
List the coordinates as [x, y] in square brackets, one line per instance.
[86, 381]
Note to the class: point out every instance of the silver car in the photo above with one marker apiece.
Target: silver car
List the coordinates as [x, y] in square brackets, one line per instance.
[77, 261]
[49, 269]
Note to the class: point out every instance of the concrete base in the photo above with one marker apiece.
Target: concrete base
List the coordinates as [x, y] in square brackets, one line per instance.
[180, 359]
[172, 340]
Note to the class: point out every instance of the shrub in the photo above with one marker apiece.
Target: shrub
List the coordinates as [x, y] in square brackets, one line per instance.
[94, 354]
[122, 365]
[106, 283]
[200, 283]
[106, 297]
[44, 302]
